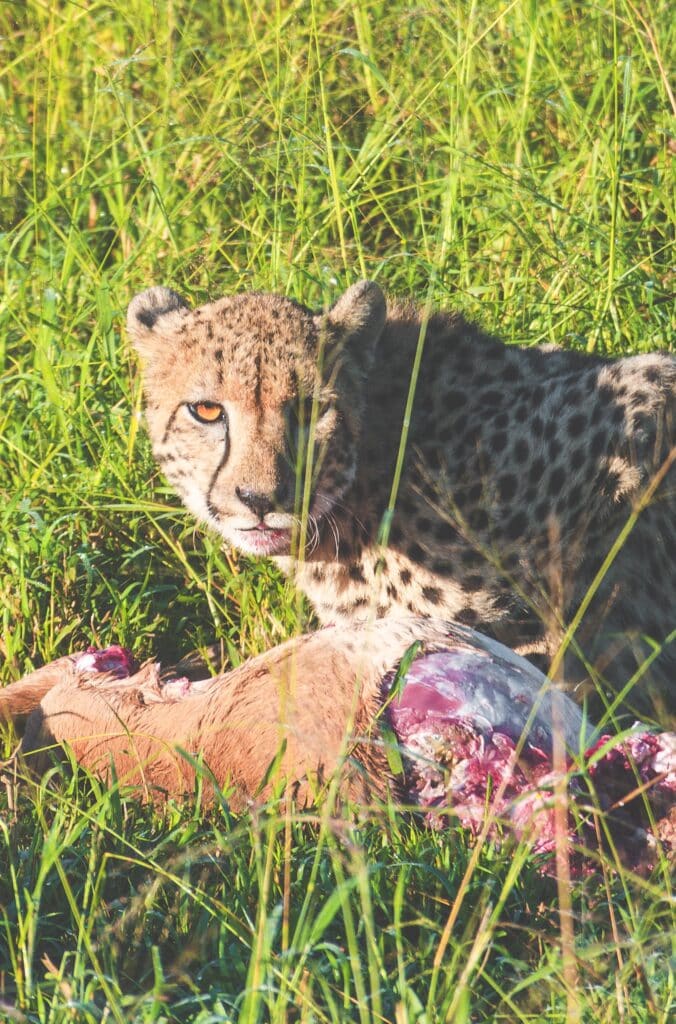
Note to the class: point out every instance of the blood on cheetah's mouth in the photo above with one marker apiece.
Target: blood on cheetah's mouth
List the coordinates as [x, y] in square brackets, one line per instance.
[263, 540]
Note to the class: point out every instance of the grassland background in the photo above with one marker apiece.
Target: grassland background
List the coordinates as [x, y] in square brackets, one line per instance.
[510, 159]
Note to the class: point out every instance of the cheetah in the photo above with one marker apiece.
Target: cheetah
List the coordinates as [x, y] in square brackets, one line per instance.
[535, 495]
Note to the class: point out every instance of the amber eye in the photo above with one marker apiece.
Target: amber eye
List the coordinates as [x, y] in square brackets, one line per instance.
[207, 412]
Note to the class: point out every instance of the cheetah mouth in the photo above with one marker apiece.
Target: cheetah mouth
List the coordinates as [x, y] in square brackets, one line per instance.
[263, 540]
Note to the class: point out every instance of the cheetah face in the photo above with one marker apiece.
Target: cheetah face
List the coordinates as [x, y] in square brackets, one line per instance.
[254, 407]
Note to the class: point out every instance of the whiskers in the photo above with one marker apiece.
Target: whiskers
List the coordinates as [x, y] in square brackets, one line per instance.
[312, 532]
[335, 532]
[330, 510]
[331, 503]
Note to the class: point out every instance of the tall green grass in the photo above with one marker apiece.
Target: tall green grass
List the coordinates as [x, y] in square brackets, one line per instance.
[510, 159]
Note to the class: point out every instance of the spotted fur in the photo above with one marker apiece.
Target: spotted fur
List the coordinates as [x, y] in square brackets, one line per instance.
[522, 468]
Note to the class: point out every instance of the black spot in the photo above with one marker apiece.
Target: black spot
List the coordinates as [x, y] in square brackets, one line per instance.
[478, 520]
[473, 493]
[463, 365]
[499, 442]
[537, 426]
[554, 449]
[517, 525]
[472, 583]
[148, 317]
[617, 415]
[431, 594]
[642, 423]
[490, 397]
[550, 430]
[429, 490]
[471, 559]
[396, 534]
[521, 450]
[415, 552]
[467, 616]
[542, 511]
[573, 397]
[511, 371]
[501, 421]
[356, 573]
[210, 331]
[611, 485]
[471, 434]
[510, 563]
[456, 399]
[536, 470]
[598, 443]
[557, 479]
[577, 458]
[537, 394]
[444, 531]
[424, 524]
[405, 576]
[561, 505]
[576, 424]
[442, 566]
[218, 355]
[507, 486]
[392, 591]
[521, 413]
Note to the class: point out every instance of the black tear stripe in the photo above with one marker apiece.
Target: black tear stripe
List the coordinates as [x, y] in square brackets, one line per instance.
[214, 476]
[295, 388]
[170, 423]
[259, 383]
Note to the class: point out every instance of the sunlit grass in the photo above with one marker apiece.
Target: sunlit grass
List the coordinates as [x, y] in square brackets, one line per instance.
[511, 160]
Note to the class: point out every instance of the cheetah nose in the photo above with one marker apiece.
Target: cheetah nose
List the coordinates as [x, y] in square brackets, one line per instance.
[259, 504]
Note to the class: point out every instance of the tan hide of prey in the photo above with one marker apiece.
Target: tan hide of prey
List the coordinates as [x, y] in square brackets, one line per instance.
[318, 694]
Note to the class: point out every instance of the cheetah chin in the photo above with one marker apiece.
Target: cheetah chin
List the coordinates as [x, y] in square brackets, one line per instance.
[262, 540]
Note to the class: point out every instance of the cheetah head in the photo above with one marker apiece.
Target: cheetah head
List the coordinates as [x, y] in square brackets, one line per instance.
[254, 406]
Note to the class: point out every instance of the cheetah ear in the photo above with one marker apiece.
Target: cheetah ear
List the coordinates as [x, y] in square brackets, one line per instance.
[357, 318]
[146, 311]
